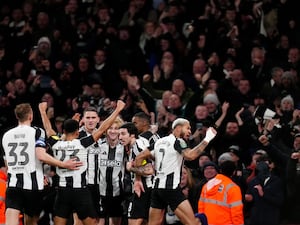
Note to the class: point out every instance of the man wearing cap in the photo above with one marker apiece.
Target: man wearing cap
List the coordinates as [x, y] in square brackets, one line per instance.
[169, 153]
[236, 154]
[210, 170]
[238, 175]
[221, 198]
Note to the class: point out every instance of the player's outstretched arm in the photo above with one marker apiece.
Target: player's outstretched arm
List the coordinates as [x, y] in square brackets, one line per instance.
[46, 122]
[109, 120]
[192, 154]
[43, 156]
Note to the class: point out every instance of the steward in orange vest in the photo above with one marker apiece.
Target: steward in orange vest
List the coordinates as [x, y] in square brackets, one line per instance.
[221, 201]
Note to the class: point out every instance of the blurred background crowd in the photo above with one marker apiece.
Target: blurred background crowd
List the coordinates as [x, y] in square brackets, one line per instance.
[231, 64]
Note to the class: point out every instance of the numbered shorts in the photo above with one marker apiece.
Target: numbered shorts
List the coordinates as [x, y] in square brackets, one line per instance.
[138, 207]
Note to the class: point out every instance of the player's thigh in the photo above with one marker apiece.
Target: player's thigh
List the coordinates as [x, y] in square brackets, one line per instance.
[156, 216]
[31, 220]
[12, 216]
[77, 221]
[115, 220]
[185, 213]
[139, 206]
[60, 221]
[89, 221]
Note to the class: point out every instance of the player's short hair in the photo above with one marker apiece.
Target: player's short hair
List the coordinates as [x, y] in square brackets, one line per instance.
[90, 109]
[22, 111]
[179, 122]
[131, 128]
[143, 116]
[119, 121]
[70, 126]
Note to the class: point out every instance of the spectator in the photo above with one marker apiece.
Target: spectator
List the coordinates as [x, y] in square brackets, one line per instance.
[18, 33]
[197, 170]
[124, 51]
[289, 86]
[266, 193]
[147, 40]
[271, 89]
[137, 14]
[83, 38]
[293, 61]
[230, 84]
[165, 73]
[293, 173]
[212, 103]
[286, 109]
[250, 170]
[213, 203]
[161, 111]
[19, 93]
[42, 27]
[104, 70]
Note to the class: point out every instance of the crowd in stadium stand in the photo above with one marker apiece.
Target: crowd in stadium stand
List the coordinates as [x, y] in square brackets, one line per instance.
[229, 64]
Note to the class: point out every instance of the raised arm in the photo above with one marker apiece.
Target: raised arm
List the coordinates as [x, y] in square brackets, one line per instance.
[191, 154]
[46, 122]
[219, 121]
[108, 121]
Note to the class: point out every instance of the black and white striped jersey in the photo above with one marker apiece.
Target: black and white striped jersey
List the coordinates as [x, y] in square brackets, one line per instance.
[93, 158]
[151, 137]
[168, 163]
[65, 150]
[25, 171]
[140, 144]
[111, 169]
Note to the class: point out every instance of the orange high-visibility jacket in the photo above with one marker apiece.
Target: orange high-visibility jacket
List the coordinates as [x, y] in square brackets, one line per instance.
[3, 178]
[221, 201]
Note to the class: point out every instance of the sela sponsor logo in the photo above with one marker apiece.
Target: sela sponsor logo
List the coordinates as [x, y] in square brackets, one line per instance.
[110, 163]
